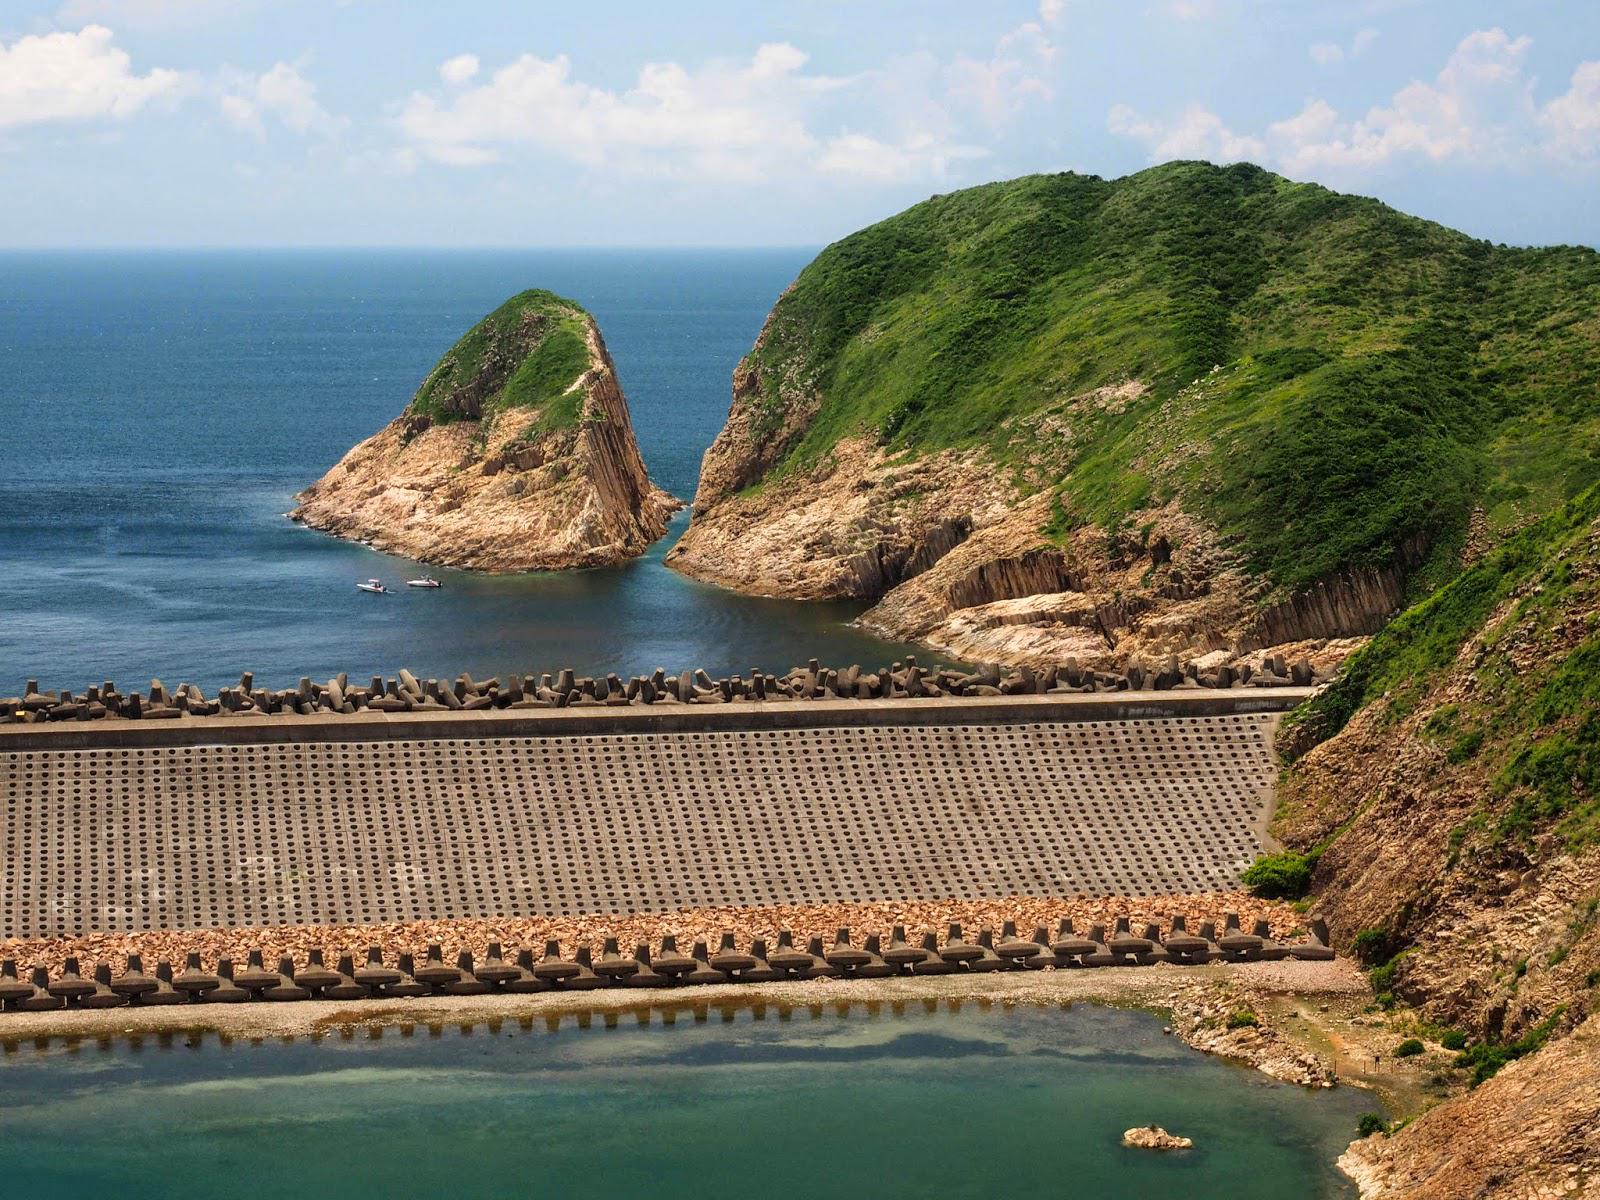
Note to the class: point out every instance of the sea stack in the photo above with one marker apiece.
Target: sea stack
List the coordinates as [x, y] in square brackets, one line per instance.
[516, 454]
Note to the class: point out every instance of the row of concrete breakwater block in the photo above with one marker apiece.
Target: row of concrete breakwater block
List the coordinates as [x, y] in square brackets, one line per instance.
[669, 967]
[405, 692]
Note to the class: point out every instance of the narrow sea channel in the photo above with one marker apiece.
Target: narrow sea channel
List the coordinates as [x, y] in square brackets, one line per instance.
[837, 1100]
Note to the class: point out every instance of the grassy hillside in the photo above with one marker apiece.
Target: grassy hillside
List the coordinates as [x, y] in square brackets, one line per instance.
[525, 354]
[1328, 379]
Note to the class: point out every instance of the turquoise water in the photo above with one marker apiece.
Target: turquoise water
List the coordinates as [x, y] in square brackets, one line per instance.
[160, 410]
[978, 1102]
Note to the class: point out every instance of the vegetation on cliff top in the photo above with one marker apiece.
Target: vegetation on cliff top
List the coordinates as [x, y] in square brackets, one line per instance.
[527, 353]
[1332, 383]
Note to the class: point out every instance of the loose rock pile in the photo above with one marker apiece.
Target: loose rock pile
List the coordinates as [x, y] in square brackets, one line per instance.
[405, 692]
[669, 967]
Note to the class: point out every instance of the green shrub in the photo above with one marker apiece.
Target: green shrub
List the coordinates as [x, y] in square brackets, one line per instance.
[1486, 1058]
[1372, 945]
[1409, 1048]
[1243, 1019]
[1453, 1039]
[1283, 876]
[525, 354]
[1371, 1123]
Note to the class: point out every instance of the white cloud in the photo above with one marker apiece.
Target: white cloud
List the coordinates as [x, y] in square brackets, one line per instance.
[1196, 133]
[1051, 11]
[281, 93]
[1469, 111]
[1003, 84]
[459, 69]
[741, 121]
[1572, 120]
[727, 119]
[868, 158]
[74, 77]
[1192, 10]
[1479, 109]
[1328, 54]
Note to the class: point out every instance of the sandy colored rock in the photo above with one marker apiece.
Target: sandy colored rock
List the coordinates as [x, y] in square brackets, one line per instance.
[1153, 1137]
[1530, 1133]
[497, 490]
[687, 925]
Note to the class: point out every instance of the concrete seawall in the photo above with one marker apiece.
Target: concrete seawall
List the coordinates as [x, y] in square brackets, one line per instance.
[298, 820]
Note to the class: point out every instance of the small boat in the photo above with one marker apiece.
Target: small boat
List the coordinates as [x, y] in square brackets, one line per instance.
[372, 585]
[427, 581]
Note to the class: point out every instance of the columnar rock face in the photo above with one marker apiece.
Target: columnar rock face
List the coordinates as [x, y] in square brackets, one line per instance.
[1196, 410]
[517, 453]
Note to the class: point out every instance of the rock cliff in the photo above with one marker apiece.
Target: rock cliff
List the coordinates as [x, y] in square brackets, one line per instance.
[1198, 410]
[516, 454]
[1447, 789]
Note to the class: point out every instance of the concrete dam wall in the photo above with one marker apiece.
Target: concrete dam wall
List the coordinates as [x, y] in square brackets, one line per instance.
[255, 831]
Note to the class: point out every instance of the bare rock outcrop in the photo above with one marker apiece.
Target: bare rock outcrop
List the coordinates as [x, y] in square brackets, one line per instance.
[1153, 1137]
[477, 476]
[956, 556]
[975, 558]
[1533, 1131]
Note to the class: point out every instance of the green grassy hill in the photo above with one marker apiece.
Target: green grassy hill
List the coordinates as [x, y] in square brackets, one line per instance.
[525, 354]
[1329, 379]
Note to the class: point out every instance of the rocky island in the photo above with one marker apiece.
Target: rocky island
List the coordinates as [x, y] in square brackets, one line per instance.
[1197, 410]
[517, 453]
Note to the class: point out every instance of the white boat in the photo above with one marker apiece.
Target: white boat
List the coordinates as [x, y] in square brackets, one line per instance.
[427, 581]
[372, 585]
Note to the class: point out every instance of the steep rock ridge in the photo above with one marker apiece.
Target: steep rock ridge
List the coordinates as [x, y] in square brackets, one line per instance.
[1452, 788]
[1195, 410]
[517, 453]
[1448, 785]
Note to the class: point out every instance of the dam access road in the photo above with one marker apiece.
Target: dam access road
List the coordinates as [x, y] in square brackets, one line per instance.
[273, 821]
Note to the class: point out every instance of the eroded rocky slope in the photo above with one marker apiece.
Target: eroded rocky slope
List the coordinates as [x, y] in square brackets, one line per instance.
[1448, 789]
[516, 454]
[1530, 1133]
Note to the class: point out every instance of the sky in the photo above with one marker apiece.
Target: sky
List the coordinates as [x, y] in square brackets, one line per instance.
[760, 122]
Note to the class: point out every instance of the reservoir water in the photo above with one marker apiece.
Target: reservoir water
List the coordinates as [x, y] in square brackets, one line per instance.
[158, 411]
[998, 1102]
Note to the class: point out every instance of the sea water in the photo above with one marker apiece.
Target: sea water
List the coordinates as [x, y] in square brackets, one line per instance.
[159, 410]
[1013, 1102]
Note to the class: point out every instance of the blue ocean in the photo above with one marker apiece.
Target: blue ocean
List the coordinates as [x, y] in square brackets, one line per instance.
[159, 410]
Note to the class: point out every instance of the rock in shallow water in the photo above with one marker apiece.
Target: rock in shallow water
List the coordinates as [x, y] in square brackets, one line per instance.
[1153, 1137]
